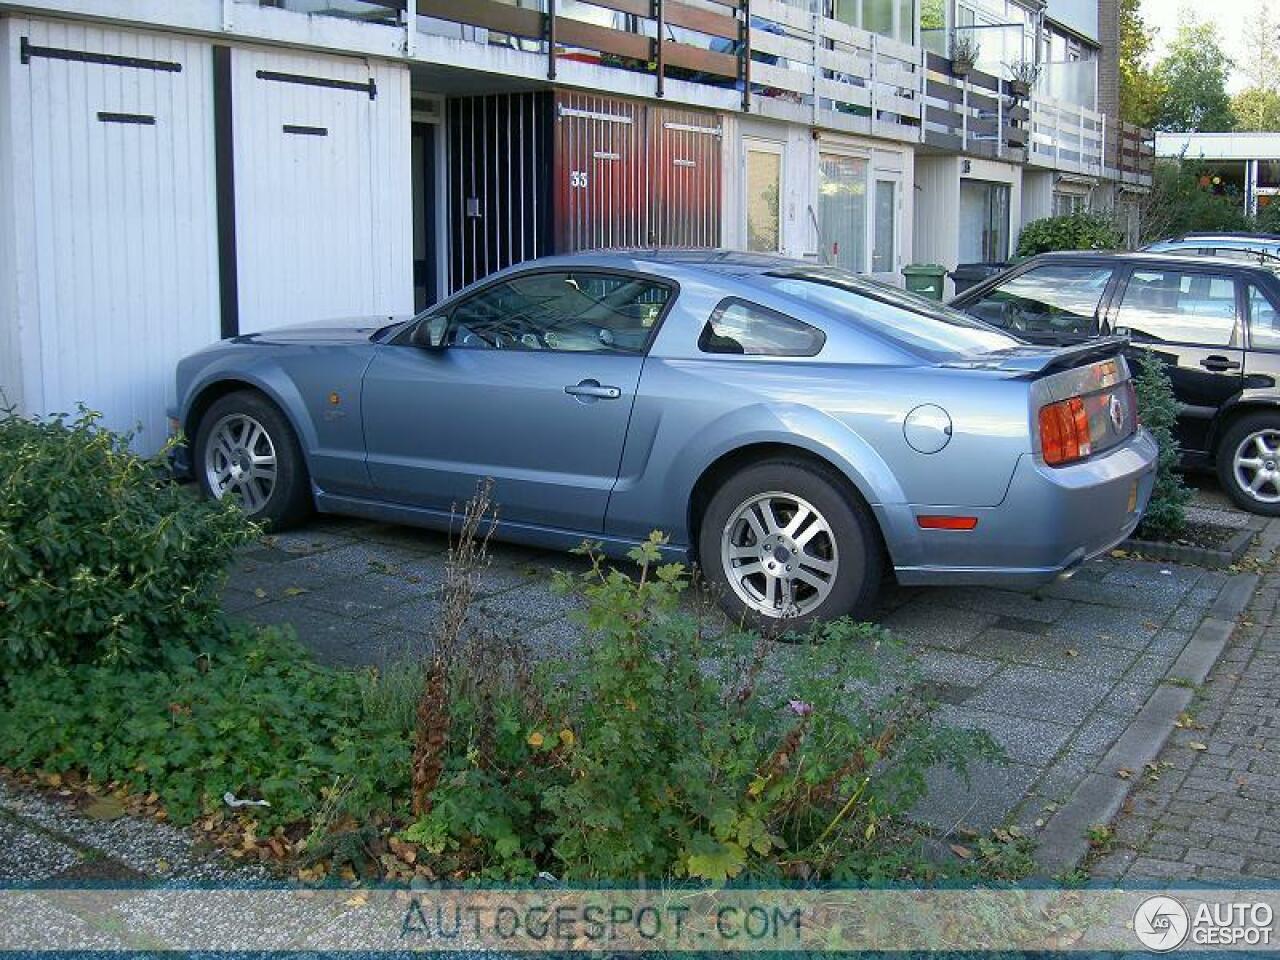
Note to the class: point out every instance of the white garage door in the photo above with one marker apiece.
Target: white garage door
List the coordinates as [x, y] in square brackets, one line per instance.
[114, 210]
[323, 195]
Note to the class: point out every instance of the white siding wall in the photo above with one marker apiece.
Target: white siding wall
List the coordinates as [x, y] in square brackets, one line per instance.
[937, 212]
[11, 389]
[1037, 195]
[114, 273]
[323, 223]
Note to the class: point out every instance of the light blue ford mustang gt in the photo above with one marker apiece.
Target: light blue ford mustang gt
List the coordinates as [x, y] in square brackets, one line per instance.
[793, 428]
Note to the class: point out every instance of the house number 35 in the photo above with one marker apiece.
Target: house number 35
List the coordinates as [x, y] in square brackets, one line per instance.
[578, 179]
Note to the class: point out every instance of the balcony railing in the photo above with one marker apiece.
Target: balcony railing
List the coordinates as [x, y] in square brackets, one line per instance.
[975, 113]
[1130, 153]
[1067, 136]
[781, 58]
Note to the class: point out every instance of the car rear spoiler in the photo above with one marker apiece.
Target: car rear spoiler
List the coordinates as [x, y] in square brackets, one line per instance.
[1035, 363]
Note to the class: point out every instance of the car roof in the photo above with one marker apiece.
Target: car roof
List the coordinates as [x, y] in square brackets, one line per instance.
[1221, 235]
[1147, 256]
[710, 259]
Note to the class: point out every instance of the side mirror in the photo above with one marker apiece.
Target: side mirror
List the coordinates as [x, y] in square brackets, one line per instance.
[430, 333]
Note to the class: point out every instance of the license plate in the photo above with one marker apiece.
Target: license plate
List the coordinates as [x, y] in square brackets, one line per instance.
[1133, 497]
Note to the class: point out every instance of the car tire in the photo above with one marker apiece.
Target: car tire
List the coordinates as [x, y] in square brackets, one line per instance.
[245, 447]
[1251, 448]
[795, 561]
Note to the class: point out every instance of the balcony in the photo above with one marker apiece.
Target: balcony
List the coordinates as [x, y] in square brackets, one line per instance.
[785, 59]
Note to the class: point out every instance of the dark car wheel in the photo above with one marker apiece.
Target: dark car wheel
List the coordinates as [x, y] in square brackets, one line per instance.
[1248, 460]
[783, 544]
[245, 448]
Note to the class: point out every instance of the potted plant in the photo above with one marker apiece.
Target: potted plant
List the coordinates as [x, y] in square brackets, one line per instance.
[1023, 75]
[964, 54]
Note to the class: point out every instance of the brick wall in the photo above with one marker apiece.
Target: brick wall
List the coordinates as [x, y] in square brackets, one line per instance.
[1109, 59]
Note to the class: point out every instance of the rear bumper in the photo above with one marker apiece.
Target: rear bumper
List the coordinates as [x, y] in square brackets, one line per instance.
[1051, 521]
[180, 462]
[179, 453]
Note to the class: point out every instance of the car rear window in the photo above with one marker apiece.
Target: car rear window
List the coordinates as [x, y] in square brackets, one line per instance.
[922, 326]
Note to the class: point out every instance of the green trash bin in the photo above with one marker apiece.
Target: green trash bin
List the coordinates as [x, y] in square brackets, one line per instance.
[925, 279]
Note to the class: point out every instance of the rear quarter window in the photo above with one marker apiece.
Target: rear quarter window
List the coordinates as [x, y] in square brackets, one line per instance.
[922, 327]
[748, 329]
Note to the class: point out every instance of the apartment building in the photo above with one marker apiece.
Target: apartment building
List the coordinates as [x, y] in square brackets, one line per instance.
[175, 172]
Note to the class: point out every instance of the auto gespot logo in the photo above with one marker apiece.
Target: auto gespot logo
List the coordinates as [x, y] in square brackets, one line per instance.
[1163, 924]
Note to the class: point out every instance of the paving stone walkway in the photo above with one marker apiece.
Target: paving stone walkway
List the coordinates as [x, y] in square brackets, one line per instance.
[1054, 676]
[1214, 811]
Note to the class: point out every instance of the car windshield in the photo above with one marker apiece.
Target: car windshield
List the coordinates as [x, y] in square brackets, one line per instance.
[923, 326]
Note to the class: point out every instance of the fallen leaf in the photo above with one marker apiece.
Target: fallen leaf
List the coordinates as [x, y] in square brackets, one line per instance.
[259, 593]
[1073, 652]
[357, 900]
[1124, 773]
[1120, 554]
[405, 851]
[105, 808]
[1197, 745]
[295, 591]
[964, 853]
[162, 866]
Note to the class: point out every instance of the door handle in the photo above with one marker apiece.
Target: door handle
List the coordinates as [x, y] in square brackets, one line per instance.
[1216, 364]
[594, 390]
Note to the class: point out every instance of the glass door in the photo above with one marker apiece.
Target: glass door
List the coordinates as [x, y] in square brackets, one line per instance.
[984, 221]
[842, 211]
[763, 201]
[884, 236]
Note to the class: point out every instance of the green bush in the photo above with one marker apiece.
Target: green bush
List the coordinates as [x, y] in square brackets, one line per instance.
[256, 718]
[1076, 231]
[102, 560]
[1166, 514]
[1179, 203]
[674, 750]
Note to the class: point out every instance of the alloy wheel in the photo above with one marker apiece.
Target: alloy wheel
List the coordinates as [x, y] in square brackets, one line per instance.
[240, 459]
[779, 555]
[1256, 465]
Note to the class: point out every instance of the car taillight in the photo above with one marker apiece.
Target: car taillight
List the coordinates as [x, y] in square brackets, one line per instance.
[1131, 397]
[1064, 432]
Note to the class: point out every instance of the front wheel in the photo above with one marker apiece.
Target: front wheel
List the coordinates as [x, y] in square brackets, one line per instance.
[1249, 463]
[784, 544]
[246, 449]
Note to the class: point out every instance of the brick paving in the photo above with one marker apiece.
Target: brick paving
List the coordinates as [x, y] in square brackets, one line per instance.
[1212, 812]
[1054, 676]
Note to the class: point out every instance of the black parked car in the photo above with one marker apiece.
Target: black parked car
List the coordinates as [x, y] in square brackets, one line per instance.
[1214, 322]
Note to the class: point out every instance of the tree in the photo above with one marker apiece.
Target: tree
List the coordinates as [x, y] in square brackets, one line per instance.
[1256, 109]
[1193, 80]
[1262, 60]
[1139, 92]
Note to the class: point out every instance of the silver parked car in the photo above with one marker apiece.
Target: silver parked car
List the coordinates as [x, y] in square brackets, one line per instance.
[793, 428]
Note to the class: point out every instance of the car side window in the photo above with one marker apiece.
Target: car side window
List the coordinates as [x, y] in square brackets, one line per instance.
[1176, 306]
[561, 311]
[1264, 322]
[748, 329]
[1055, 298]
